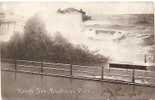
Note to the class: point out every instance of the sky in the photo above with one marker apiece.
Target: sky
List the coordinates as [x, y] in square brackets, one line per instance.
[27, 8]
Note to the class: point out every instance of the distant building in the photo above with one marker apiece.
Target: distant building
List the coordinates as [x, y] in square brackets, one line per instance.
[7, 23]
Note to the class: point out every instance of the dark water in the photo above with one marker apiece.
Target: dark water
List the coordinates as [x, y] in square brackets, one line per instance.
[20, 86]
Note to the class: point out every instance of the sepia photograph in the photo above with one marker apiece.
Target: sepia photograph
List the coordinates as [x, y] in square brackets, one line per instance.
[100, 50]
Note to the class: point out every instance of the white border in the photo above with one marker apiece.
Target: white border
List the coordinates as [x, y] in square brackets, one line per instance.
[76, 0]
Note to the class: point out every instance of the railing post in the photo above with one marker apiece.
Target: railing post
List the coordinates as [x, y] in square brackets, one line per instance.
[71, 71]
[15, 65]
[133, 76]
[102, 72]
[41, 66]
[109, 67]
[145, 58]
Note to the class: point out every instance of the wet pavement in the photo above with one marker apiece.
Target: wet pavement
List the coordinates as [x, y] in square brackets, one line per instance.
[20, 86]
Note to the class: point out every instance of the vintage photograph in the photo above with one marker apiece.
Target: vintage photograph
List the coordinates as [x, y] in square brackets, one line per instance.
[77, 50]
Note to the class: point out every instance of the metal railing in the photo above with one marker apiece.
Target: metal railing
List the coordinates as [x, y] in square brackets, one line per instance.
[101, 72]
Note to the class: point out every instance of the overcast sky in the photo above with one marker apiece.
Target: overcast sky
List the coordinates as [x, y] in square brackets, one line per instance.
[28, 8]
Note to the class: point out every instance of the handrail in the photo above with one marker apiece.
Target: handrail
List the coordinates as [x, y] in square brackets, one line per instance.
[91, 71]
[59, 69]
[28, 66]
